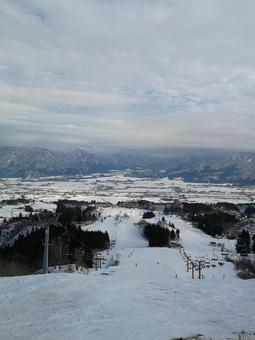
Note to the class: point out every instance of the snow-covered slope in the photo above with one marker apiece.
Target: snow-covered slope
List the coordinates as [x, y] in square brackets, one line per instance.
[148, 296]
[120, 223]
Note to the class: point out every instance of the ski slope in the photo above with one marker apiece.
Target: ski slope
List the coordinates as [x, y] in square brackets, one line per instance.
[120, 223]
[148, 296]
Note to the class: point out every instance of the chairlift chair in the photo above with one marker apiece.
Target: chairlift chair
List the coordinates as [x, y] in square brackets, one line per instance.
[214, 257]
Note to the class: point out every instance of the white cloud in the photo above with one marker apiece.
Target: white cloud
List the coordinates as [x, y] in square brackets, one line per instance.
[127, 72]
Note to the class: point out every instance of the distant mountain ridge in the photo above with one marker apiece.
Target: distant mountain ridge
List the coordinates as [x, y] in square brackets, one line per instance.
[35, 162]
[237, 168]
[214, 167]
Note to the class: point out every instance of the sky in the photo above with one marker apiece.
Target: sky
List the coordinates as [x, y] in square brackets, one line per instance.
[127, 73]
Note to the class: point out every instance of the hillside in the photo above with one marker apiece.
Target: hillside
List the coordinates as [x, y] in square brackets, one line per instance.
[35, 162]
[237, 168]
[194, 166]
[148, 296]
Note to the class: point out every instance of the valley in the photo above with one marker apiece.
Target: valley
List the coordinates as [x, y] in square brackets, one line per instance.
[139, 292]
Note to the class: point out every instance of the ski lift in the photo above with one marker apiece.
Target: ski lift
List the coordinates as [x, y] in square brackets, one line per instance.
[214, 257]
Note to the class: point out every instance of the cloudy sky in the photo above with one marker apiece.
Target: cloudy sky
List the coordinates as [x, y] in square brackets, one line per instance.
[127, 73]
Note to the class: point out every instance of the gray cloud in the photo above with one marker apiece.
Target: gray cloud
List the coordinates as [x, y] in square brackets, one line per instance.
[131, 73]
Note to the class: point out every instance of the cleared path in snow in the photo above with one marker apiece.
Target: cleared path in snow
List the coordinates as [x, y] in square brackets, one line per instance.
[120, 223]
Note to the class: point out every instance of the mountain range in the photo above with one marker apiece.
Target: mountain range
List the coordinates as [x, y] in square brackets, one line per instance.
[195, 166]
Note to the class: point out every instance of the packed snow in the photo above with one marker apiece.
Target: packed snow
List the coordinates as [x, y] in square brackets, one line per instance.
[149, 295]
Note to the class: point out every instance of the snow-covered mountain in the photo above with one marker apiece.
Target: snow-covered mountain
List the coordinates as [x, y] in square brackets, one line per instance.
[196, 166]
[237, 168]
[35, 162]
[148, 296]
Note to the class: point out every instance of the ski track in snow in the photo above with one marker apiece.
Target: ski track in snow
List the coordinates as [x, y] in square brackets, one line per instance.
[140, 299]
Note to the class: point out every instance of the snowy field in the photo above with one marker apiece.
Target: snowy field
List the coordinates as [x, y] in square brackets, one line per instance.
[118, 186]
[148, 296]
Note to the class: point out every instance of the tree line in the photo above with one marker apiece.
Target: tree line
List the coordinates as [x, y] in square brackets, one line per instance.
[158, 235]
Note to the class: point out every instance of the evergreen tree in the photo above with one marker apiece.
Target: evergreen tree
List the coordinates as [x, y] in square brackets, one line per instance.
[172, 234]
[177, 233]
[253, 246]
